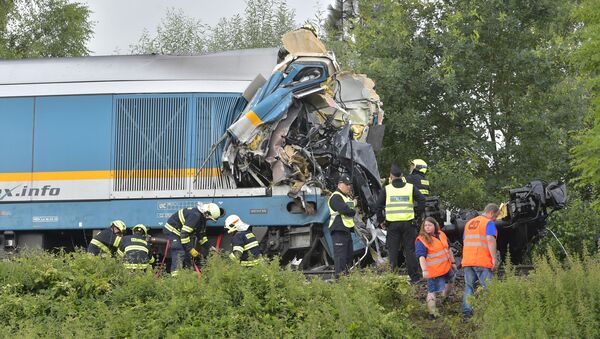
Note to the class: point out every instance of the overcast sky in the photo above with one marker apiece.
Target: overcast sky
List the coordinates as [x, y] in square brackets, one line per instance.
[119, 23]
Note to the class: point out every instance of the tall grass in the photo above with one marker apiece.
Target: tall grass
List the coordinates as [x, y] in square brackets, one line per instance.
[556, 300]
[75, 295]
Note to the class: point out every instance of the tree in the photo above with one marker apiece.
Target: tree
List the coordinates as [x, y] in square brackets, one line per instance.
[587, 151]
[262, 25]
[340, 19]
[43, 28]
[482, 84]
[176, 34]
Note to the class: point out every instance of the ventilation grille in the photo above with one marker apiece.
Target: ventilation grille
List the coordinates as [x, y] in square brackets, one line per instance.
[150, 144]
[214, 114]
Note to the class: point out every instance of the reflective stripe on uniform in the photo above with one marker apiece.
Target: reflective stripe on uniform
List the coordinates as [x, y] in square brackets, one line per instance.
[238, 248]
[444, 251]
[181, 216]
[187, 229]
[120, 253]
[424, 191]
[100, 245]
[249, 263]
[249, 235]
[141, 241]
[136, 248]
[251, 245]
[185, 240]
[117, 241]
[232, 256]
[424, 182]
[172, 229]
[136, 266]
[203, 240]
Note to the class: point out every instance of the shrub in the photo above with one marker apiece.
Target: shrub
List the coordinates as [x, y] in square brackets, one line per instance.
[553, 301]
[75, 295]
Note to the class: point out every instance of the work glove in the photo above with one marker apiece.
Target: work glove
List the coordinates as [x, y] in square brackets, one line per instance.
[194, 253]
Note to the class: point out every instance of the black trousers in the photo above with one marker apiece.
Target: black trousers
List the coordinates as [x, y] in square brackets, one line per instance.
[342, 251]
[402, 234]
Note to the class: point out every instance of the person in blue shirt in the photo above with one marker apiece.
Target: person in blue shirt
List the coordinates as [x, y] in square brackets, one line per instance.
[437, 262]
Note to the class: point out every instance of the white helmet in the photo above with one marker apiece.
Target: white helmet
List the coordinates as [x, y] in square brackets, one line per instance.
[210, 210]
[234, 223]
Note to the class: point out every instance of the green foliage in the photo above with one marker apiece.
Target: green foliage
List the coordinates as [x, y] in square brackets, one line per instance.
[76, 295]
[554, 301]
[45, 28]
[262, 25]
[587, 152]
[486, 82]
[576, 226]
[176, 34]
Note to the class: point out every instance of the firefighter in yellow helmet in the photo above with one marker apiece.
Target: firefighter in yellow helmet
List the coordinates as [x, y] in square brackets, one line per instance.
[418, 171]
[135, 249]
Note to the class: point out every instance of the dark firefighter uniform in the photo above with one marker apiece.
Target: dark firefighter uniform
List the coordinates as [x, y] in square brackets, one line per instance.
[107, 241]
[179, 229]
[341, 224]
[246, 246]
[397, 200]
[418, 180]
[135, 251]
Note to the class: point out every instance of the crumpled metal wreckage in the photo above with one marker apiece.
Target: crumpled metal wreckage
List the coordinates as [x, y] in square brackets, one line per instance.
[307, 124]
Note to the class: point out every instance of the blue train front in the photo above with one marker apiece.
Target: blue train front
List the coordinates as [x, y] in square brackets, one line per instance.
[89, 140]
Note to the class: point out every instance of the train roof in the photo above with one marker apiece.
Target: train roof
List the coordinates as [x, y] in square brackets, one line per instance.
[229, 71]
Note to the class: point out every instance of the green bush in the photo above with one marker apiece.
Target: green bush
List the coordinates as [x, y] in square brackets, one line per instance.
[555, 300]
[76, 295]
[576, 226]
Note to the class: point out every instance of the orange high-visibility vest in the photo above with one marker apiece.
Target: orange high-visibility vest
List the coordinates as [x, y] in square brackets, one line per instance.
[437, 262]
[475, 247]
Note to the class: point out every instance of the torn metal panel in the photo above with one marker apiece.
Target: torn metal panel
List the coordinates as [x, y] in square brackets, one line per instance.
[306, 125]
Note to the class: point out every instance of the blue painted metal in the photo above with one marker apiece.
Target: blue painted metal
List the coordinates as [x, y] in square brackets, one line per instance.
[258, 211]
[72, 133]
[16, 139]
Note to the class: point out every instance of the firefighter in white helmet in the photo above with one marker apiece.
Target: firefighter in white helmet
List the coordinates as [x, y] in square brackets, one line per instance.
[244, 242]
[107, 241]
[184, 224]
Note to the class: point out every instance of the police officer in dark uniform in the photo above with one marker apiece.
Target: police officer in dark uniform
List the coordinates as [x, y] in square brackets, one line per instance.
[135, 250]
[341, 224]
[418, 170]
[397, 200]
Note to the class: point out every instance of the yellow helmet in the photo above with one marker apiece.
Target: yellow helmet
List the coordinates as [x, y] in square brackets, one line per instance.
[420, 165]
[140, 227]
[120, 225]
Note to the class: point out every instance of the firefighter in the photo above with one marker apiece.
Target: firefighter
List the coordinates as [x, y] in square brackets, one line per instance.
[135, 250]
[418, 170]
[479, 252]
[341, 224]
[184, 224]
[397, 201]
[245, 246]
[108, 240]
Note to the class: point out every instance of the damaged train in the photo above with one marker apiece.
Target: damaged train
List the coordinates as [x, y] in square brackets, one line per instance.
[263, 133]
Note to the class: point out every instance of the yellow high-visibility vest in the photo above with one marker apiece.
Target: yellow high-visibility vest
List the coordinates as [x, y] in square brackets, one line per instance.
[346, 220]
[399, 203]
